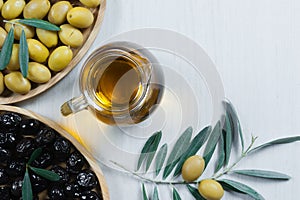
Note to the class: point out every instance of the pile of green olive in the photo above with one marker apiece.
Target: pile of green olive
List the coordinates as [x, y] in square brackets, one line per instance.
[49, 51]
[192, 169]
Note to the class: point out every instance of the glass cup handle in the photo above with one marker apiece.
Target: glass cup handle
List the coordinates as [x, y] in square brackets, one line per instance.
[73, 105]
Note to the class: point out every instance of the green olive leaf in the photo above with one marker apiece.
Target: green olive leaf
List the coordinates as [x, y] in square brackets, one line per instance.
[228, 139]
[6, 50]
[262, 174]
[276, 142]
[234, 121]
[155, 194]
[39, 23]
[150, 147]
[212, 143]
[176, 195]
[36, 153]
[26, 187]
[160, 158]
[194, 191]
[194, 147]
[49, 175]
[178, 150]
[145, 197]
[242, 188]
[23, 54]
[221, 158]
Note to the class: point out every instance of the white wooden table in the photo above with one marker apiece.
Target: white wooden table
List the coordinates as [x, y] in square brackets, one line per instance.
[254, 45]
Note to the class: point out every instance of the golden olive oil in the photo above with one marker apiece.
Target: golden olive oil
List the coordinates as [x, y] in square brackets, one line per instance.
[119, 84]
[120, 89]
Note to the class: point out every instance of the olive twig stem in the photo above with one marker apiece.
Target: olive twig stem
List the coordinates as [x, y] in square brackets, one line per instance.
[158, 182]
[243, 155]
[14, 23]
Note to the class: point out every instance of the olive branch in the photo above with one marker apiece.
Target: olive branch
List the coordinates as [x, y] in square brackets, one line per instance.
[49, 175]
[220, 136]
[6, 51]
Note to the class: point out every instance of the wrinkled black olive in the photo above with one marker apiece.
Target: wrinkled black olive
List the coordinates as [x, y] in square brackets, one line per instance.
[16, 187]
[64, 175]
[61, 149]
[38, 183]
[44, 160]
[9, 139]
[15, 168]
[72, 190]
[56, 192]
[3, 139]
[45, 136]
[75, 162]
[29, 127]
[25, 147]
[9, 121]
[87, 179]
[5, 155]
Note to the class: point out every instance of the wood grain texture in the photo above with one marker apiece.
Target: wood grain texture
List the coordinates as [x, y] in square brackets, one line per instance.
[67, 135]
[89, 36]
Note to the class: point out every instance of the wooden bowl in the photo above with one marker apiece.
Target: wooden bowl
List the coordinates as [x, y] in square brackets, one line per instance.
[93, 164]
[89, 35]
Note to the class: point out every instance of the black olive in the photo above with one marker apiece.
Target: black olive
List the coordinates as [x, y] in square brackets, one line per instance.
[72, 190]
[15, 168]
[44, 160]
[3, 139]
[75, 162]
[16, 187]
[9, 139]
[5, 192]
[45, 136]
[64, 175]
[61, 149]
[87, 179]
[5, 155]
[25, 147]
[89, 195]
[29, 126]
[4, 178]
[9, 121]
[56, 192]
[38, 183]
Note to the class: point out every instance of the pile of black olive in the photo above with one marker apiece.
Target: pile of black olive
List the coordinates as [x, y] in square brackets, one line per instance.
[19, 137]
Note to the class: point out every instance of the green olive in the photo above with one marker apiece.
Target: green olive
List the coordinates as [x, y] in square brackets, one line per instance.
[58, 12]
[70, 36]
[3, 35]
[1, 83]
[11, 9]
[90, 3]
[1, 4]
[48, 38]
[80, 17]
[29, 30]
[36, 9]
[38, 73]
[192, 168]
[15, 82]
[13, 64]
[211, 189]
[37, 51]
[60, 58]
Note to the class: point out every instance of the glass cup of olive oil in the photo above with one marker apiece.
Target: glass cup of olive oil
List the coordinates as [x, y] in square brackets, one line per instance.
[120, 83]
